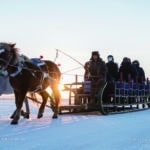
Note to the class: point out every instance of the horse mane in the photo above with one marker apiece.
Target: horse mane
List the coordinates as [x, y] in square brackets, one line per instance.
[13, 48]
[15, 52]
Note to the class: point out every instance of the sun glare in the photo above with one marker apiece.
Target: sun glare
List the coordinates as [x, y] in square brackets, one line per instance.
[61, 87]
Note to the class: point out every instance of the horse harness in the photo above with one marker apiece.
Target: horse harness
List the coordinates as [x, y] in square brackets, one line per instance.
[21, 64]
[13, 65]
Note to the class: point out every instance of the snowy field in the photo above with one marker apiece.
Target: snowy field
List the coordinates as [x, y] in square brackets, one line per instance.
[93, 131]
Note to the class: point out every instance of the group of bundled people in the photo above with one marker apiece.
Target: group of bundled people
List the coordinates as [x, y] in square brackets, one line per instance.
[128, 71]
[97, 71]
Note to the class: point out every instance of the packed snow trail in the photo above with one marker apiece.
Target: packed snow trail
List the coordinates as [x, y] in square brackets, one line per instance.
[92, 131]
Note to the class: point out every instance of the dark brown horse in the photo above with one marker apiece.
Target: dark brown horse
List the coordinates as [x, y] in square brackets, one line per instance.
[26, 76]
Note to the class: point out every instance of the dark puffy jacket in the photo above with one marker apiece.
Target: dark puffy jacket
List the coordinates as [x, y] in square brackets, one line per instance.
[140, 75]
[112, 71]
[126, 72]
[97, 70]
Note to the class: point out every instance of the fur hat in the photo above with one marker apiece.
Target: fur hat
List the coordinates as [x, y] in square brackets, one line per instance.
[95, 53]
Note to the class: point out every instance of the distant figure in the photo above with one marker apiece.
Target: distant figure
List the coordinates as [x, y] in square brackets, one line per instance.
[112, 69]
[126, 70]
[95, 70]
[140, 74]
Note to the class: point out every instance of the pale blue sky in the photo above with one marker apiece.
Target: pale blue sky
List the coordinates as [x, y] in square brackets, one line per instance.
[117, 27]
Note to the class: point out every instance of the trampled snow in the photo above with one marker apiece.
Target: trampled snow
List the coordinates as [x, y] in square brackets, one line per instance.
[85, 131]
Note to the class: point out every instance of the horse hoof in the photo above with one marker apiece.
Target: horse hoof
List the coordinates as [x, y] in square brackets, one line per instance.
[40, 116]
[14, 122]
[12, 116]
[55, 117]
[26, 115]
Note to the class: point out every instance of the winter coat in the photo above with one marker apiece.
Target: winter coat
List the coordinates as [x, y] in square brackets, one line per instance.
[112, 71]
[97, 70]
[140, 75]
[127, 72]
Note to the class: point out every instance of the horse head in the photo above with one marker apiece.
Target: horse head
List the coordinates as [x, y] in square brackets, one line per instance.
[8, 55]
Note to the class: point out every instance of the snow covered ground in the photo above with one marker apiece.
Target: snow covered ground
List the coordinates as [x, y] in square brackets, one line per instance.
[92, 131]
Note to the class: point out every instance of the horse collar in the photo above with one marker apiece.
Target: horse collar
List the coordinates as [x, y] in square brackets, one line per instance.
[19, 69]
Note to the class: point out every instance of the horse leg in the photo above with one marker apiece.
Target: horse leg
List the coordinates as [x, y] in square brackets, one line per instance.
[19, 98]
[13, 114]
[44, 96]
[26, 114]
[57, 101]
